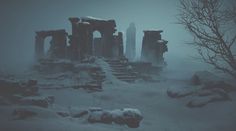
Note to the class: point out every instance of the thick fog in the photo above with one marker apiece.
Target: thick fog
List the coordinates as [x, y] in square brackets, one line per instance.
[20, 20]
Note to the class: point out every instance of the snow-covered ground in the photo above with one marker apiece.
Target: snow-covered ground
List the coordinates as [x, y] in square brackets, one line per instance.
[160, 112]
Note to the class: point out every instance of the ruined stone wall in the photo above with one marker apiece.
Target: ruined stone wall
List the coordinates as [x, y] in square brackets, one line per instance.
[81, 40]
[153, 47]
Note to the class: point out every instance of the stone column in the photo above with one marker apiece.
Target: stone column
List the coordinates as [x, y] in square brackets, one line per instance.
[74, 39]
[58, 45]
[130, 51]
[121, 45]
[107, 41]
[39, 47]
[74, 22]
[153, 47]
[84, 39]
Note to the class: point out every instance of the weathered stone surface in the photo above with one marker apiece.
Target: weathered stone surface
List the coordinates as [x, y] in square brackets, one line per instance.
[11, 87]
[210, 81]
[79, 114]
[53, 66]
[58, 44]
[204, 77]
[128, 116]
[206, 99]
[195, 80]
[4, 101]
[21, 114]
[131, 42]
[39, 101]
[81, 41]
[153, 47]
[63, 114]
[178, 92]
[205, 88]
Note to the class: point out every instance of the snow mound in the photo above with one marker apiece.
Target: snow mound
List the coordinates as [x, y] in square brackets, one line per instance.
[130, 117]
[205, 88]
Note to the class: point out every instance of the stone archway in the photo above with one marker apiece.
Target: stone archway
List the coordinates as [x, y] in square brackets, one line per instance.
[58, 43]
[97, 43]
[82, 35]
[106, 28]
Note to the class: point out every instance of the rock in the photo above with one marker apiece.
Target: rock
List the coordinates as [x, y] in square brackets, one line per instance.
[21, 114]
[131, 117]
[38, 101]
[206, 88]
[128, 116]
[11, 87]
[80, 114]
[63, 114]
[4, 101]
[100, 116]
[208, 97]
[204, 77]
[195, 80]
[31, 88]
[32, 82]
[178, 92]
[219, 85]
[53, 66]
[77, 112]
[8, 87]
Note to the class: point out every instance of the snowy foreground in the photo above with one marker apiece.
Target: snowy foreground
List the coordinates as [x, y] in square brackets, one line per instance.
[163, 105]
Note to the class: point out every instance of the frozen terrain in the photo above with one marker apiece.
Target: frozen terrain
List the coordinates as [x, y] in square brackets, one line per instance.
[160, 112]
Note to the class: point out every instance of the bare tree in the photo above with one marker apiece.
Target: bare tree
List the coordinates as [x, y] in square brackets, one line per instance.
[213, 26]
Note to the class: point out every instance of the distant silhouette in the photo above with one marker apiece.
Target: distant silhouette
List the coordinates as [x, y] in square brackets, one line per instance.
[131, 42]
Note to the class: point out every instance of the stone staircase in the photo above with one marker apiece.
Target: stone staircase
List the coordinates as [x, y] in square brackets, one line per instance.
[122, 70]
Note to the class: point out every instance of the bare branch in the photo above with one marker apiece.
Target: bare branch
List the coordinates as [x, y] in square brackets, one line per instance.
[205, 20]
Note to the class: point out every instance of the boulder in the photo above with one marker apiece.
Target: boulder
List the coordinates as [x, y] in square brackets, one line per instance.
[78, 112]
[4, 101]
[39, 101]
[11, 87]
[179, 92]
[204, 100]
[195, 80]
[21, 114]
[130, 117]
[100, 116]
[63, 114]
[219, 85]
[204, 77]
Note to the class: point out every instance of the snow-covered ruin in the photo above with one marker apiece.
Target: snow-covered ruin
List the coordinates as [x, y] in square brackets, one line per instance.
[84, 82]
[82, 42]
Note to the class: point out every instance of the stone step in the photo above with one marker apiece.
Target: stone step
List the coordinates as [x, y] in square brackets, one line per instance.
[120, 70]
[115, 62]
[126, 77]
[124, 73]
[128, 80]
[118, 65]
[112, 60]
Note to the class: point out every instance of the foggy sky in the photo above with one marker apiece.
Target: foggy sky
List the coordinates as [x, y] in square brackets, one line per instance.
[21, 18]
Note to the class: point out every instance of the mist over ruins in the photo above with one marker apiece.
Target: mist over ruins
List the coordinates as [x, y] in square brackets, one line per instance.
[118, 65]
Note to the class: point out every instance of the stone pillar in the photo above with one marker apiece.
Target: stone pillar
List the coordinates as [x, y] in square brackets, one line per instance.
[74, 47]
[74, 39]
[130, 51]
[107, 44]
[121, 45]
[153, 47]
[108, 41]
[84, 40]
[74, 22]
[58, 44]
[39, 47]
